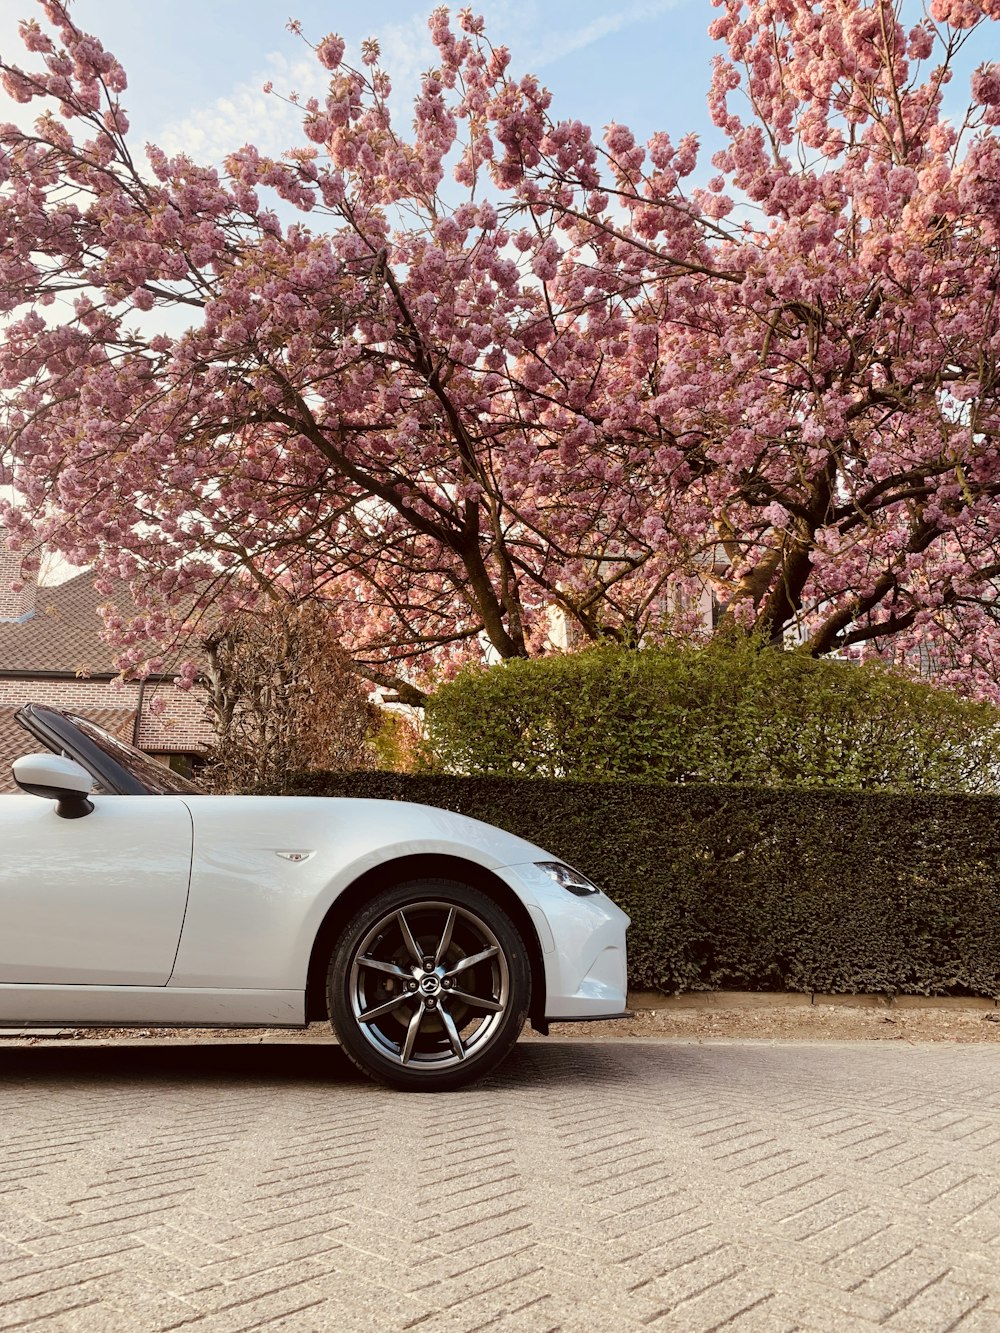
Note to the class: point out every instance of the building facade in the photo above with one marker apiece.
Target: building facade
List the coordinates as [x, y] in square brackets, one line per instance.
[51, 652]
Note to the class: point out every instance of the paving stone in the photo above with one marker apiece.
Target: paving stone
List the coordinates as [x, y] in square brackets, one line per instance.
[687, 1188]
[937, 1308]
[979, 1320]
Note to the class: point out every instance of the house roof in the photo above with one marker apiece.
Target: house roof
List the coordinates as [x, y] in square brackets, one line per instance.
[63, 634]
[15, 741]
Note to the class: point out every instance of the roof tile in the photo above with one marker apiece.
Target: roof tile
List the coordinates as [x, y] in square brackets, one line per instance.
[64, 633]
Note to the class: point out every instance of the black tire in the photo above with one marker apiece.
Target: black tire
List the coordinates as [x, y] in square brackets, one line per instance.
[429, 985]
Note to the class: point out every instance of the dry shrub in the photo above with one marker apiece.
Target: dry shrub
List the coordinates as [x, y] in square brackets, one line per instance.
[284, 698]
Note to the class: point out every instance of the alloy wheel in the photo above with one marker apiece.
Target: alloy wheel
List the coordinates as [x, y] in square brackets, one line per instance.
[429, 985]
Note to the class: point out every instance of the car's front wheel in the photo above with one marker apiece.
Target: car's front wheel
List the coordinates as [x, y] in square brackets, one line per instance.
[429, 985]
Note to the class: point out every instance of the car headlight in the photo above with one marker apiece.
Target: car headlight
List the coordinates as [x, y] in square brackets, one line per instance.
[568, 878]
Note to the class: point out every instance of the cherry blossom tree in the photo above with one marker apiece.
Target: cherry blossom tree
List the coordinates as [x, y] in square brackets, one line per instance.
[463, 375]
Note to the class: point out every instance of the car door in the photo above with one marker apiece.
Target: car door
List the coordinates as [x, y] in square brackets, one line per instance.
[94, 901]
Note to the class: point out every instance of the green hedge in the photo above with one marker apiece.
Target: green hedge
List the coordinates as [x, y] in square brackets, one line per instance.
[730, 712]
[755, 889]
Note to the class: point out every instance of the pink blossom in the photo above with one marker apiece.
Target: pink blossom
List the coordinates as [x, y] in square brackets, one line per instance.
[330, 51]
[986, 85]
[455, 403]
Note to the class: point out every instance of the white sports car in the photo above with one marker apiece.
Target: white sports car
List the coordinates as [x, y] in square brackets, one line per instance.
[427, 938]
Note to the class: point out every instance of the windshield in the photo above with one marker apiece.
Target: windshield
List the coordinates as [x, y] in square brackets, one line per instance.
[156, 777]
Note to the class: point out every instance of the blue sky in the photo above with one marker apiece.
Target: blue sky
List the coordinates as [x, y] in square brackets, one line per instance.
[196, 67]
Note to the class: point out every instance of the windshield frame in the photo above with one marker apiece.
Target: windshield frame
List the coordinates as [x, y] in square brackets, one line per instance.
[117, 767]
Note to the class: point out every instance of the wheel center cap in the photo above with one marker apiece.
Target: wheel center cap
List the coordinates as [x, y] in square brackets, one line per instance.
[430, 985]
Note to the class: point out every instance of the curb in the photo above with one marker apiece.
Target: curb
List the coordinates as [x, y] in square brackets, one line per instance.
[736, 999]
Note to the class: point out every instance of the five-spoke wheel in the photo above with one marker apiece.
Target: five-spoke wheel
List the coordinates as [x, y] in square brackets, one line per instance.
[429, 985]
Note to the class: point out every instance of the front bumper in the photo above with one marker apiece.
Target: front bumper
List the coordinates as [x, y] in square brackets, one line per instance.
[583, 946]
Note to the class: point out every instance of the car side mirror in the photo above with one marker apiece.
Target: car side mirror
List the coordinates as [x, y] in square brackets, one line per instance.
[57, 779]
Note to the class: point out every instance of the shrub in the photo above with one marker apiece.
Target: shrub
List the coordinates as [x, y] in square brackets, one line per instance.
[730, 712]
[281, 692]
[760, 890]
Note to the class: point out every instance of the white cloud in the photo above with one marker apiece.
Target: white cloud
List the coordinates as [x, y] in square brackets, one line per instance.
[246, 114]
[407, 51]
[555, 46]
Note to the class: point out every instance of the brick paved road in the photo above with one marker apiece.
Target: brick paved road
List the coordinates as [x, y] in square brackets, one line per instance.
[589, 1186]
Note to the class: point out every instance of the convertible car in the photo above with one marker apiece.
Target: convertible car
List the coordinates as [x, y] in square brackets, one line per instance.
[427, 939]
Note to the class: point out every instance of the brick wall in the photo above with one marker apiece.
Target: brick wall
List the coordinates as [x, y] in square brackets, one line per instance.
[182, 728]
[14, 605]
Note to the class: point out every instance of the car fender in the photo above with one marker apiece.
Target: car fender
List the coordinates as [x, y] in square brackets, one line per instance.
[266, 871]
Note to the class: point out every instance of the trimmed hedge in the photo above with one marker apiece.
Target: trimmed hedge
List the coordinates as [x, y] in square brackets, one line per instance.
[755, 889]
[729, 712]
